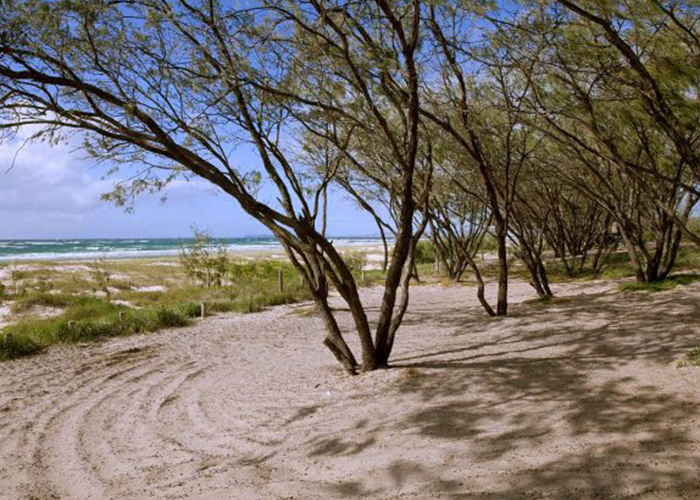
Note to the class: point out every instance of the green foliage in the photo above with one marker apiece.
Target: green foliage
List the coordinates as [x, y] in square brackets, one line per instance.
[425, 252]
[205, 262]
[693, 358]
[101, 275]
[693, 225]
[18, 345]
[34, 335]
[659, 286]
[258, 271]
[688, 258]
[488, 244]
[43, 282]
[356, 261]
[24, 302]
[87, 318]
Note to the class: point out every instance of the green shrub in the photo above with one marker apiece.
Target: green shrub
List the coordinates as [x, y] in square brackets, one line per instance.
[425, 252]
[257, 271]
[488, 244]
[190, 310]
[356, 261]
[659, 286]
[168, 318]
[17, 345]
[204, 261]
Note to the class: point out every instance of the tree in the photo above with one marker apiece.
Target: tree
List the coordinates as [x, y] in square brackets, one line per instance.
[179, 87]
[656, 47]
[459, 219]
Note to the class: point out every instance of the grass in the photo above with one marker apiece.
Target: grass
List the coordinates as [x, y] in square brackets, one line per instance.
[693, 358]
[85, 317]
[32, 336]
[660, 286]
[250, 286]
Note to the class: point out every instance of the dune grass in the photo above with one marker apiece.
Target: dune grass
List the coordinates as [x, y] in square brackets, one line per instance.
[86, 319]
[171, 300]
[83, 316]
[660, 286]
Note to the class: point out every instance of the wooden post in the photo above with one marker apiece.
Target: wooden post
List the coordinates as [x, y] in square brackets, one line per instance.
[203, 309]
[364, 275]
[280, 280]
[71, 325]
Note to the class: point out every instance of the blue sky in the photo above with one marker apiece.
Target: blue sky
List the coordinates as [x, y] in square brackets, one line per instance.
[51, 193]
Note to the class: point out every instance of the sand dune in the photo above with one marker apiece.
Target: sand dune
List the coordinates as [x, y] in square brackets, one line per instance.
[581, 398]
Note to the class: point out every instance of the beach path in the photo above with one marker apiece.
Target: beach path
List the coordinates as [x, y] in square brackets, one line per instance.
[578, 398]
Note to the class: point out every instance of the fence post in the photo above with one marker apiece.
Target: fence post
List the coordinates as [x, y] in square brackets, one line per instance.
[280, 280]
[203, 309]
[364, 275]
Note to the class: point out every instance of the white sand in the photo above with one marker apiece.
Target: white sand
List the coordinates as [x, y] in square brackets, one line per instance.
[4, 315]
[152, 288]
[577, 399]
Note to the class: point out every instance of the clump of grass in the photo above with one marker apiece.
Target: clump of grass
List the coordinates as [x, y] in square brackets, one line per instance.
[29, 337]
[259, 301]
[41, 299]
[693, 358]
[660, 286]
[425, 252]
[17, 345]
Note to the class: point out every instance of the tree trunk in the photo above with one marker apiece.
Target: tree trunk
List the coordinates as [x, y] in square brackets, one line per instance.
[481, 288]
[502, 307]
[633, 255]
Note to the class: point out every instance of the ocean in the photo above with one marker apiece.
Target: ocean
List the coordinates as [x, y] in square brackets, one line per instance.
[92, 249]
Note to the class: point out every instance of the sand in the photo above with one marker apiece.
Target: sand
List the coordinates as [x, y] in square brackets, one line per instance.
[581, 398]
[4, 315]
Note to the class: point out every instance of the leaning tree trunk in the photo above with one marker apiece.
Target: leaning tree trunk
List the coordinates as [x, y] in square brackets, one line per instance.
[481, 288]
[633, 255]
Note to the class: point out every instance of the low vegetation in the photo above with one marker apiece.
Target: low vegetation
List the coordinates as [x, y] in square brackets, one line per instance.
[693, 359]
[659, 286]
[108, 299]
[82, 303]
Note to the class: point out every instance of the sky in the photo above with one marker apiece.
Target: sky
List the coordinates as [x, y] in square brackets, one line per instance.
[49, 192]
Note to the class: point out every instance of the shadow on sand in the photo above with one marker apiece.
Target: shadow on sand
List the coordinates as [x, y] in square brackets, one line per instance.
[548, 403]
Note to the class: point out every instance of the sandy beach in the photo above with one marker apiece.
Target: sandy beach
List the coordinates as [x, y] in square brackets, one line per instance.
[580, 398]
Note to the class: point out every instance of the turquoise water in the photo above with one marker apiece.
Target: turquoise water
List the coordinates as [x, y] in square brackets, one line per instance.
[91, 249]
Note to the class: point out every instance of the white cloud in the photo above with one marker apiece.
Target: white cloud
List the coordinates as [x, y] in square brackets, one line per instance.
[43, 178]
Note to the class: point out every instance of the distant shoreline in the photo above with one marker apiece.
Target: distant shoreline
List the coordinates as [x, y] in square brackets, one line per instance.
[80, 250]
